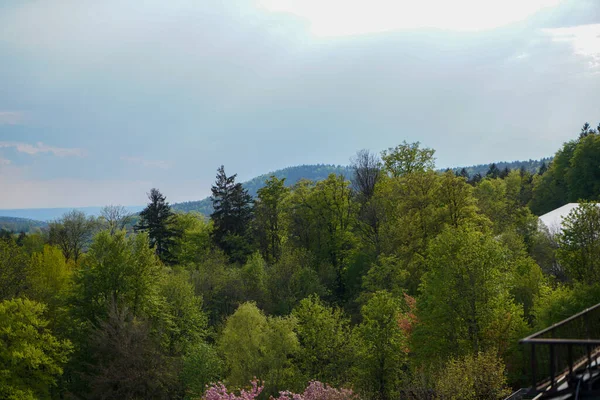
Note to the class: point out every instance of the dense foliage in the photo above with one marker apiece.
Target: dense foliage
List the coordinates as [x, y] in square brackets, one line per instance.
[398, 281]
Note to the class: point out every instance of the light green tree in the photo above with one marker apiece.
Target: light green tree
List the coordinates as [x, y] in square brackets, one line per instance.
[242, 344]
[201, 366]
[479, 376]
[193, 244]
[292, 279]
[268, 218]
[256, 346]
[254, 279]
[184, 323]
[465, 305]
[458, 201]
[118, 269]
[49, 277]
[410, 218]
[380, 346]
[407, 158]
[324, 335]
[31, 357]
[579, 243]
[321, 220]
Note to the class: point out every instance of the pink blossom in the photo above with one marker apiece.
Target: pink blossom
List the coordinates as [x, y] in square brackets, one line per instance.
[319, 391]
[218, 391]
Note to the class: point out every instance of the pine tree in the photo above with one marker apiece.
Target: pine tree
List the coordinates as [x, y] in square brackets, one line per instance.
[543, 168]
[156, 219]
[504, 173]
[493, 172]
[231, 217]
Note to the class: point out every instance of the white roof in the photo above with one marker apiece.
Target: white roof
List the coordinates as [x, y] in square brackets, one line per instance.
[553, 219]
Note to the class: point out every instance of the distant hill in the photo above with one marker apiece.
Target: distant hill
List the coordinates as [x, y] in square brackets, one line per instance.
[531, 166]
[316, 172]
[49, 214]
[13, 224]
[319, 172]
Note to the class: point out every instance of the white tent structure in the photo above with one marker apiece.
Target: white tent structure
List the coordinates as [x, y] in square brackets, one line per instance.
[554, 219]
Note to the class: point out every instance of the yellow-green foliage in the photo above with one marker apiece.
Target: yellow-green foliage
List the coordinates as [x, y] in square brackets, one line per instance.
[31, 358]
[473, 377]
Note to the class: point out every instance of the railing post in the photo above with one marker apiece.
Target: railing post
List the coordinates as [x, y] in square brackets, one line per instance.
[533, 365]
[552, 365]
[589, 355]
[570, 357]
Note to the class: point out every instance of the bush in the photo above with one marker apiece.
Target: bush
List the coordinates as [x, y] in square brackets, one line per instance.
[473, 377]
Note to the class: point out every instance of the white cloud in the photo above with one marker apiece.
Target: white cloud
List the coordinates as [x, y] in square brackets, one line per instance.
[4, 161]
[39, 147]
[585, 40]
[146, 163]
[341, 17]
[11, 117]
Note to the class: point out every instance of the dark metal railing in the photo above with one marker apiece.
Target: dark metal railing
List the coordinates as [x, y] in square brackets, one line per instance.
[564, 354]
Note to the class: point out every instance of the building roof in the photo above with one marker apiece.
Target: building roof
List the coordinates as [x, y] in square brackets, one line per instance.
[553, 220]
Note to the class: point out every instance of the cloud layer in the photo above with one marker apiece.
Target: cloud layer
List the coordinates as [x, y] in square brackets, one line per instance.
[37, 148]
[11, 117]
[165, 93]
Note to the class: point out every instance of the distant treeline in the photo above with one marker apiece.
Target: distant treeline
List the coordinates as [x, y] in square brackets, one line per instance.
[291, 175]
[320, 172]
[13, 224]
[531, 166]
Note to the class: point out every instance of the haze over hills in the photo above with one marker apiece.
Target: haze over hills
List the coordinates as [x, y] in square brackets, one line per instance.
[314, 172]
[48, 214]
[14, 224]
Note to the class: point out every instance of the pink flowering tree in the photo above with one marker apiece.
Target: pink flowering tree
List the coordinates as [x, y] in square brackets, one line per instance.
[319, 391]
[218, 391]
[315, 391]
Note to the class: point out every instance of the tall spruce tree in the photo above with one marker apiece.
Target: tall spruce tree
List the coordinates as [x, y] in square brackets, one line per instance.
[231, 217]
[493, 172]
[156, 219]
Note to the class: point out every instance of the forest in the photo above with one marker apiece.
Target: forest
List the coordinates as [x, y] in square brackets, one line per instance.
[398, 282]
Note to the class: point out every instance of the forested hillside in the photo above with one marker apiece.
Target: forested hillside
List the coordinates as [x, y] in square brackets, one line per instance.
[320, 172]
[14, 224]
[394, 281]
[531, 166]
[291, 175]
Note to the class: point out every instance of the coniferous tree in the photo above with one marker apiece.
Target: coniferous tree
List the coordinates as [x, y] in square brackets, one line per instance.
[231, 217]
[156, 219]
[493, 172]
[475, 179]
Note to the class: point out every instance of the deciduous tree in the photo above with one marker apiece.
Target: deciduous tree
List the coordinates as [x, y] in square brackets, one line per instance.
[31, 357]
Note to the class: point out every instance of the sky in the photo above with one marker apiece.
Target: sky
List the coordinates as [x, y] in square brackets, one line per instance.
[102, 100]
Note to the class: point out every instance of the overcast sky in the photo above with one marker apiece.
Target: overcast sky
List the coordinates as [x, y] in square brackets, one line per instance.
[100, 100]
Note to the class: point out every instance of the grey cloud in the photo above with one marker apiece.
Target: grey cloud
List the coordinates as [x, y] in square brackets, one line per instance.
[200, 84]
